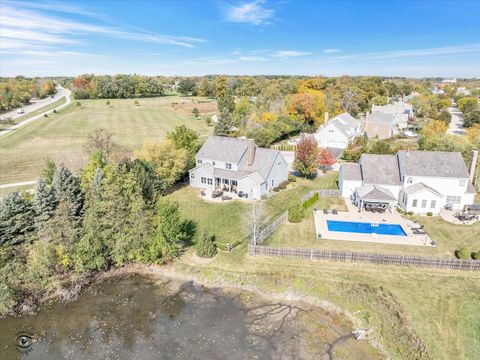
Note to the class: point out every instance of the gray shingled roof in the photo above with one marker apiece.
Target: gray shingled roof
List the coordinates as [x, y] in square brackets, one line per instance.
[380, 117]
[223, 149]
[234, 150]
[374, 193]
[351, 172]
[380, 169]
[432, 163]
[346, 123]
[412, 189]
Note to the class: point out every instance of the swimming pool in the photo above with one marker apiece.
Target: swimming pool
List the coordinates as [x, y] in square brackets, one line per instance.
[365, 228]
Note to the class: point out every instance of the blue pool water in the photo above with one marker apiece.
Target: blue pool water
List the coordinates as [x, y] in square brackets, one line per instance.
[365, 228]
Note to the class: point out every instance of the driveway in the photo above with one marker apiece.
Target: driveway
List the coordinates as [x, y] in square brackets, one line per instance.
[456, 124]
[61, 93]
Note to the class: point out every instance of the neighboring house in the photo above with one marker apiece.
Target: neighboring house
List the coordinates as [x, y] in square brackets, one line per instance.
[382, 125]
[238, 166]
[463, 91]
[418, 181]
[338, 132]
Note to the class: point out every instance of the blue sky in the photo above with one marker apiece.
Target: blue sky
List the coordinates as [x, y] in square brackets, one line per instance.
[391, 38]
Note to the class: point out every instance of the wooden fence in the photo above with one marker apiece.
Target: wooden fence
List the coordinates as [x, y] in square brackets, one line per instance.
[384, 259]
[270, 228]
[284, 147]
[321, 193]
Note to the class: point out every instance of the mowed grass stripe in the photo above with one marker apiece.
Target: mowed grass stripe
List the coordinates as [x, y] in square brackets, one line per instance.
[61, 135]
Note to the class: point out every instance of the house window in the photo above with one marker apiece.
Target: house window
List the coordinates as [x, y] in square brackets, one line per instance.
[330, 130]
[461, 182]
[203, 180]
[433, 204]
[199, 161]
[405, 199]
[279, 163]
[454, 200]
[424, 203]
[228, 166]
[213, 162]
[414, 203]
[192, 176]
[234, 182]
[409, 180]
[210, 181]
[272, 182]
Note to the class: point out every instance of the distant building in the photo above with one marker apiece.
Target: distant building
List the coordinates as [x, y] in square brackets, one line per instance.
[338, 132]
[384, 125]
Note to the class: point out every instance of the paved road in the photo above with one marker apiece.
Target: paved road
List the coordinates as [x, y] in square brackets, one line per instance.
[456, 124]
[23, 183]
[61, 93]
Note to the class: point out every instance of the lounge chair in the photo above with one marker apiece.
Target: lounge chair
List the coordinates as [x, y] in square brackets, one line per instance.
[325, 211]
[418, 228]
[334, 212]
[419, 232]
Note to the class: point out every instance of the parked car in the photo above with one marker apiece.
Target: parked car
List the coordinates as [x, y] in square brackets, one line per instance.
[20, 111]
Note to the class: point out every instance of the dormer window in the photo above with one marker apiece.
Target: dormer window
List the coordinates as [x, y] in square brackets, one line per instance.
[409, 180]
[199, 161]
[228, 166]
[213, 162]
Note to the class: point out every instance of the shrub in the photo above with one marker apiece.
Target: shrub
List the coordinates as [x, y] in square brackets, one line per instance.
[205, 246]
[429, 213]
[281, 186]
[292, 178]
[476, 255]
[309, 202]
[195, 112]
[54, 111]
[45, 115]
[208, 121]
[136, 103]
[79, 103]
[464, 253]
[410, 213]
[296, 212]
[108, 102]
[400, 210]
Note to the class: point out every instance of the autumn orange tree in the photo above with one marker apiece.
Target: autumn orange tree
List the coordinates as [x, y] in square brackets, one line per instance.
[307, 159]
[434, 128]
[326, 158]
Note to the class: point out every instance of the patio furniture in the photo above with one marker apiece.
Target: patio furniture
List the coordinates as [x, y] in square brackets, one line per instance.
[419, 232]
[217, 193]
[203, 193]
[325, 211]
[417, 228]
[449, 207]
[319, 236]
[334, 212]
[225, 197]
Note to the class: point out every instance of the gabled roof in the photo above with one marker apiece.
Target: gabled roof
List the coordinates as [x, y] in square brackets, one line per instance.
[346, 123]
[380, 169]
[381, 117]
[415, 188]
[351, 172]
[432, 163]
[398, 107]
[374, 193]
[234, 150]
[223, 149]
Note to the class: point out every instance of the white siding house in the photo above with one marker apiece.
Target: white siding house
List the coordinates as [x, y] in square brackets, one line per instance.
[338, 132]
[417, 181]
[238, 166]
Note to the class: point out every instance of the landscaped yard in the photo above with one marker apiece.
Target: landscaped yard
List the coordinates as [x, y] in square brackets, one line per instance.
[61, 136]
[224, 220]
[449, 237]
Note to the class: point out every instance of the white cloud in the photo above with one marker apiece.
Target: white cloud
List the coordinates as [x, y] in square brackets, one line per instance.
[331, 51]
[412, 53]
[252, 58]
[254, 13]
[289, 53]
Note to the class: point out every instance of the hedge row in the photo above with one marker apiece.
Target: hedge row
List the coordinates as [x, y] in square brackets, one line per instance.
[309, 202]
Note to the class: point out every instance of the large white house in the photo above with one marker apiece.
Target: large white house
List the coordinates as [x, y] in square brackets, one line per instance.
[388, 120]
[238, 166]
[338, 132]
[418, 181]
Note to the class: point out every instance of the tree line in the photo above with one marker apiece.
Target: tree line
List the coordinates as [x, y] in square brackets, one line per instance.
[112, 212]
[15, 92]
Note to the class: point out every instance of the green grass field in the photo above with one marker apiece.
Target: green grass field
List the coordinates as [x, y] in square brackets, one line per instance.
[62, 135]
[224, 220]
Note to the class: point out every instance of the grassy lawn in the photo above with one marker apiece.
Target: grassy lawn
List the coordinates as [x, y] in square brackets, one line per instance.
[448, 237]
[61, 136]
[224, 220]
[4, 192]
[404, 307]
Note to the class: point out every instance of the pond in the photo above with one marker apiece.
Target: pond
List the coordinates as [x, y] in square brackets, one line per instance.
[139, 317]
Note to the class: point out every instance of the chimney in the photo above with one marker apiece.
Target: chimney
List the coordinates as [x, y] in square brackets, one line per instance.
[326, 118]
[251, 152]
[473, 164]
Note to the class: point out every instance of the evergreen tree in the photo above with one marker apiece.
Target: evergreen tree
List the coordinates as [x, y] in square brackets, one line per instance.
[206, 246]
[226, 106]
[48, 171]
[44, 202]
[16, 218]
[67, 188]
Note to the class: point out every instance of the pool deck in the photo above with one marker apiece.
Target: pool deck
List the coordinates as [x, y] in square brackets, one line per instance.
[353, 215]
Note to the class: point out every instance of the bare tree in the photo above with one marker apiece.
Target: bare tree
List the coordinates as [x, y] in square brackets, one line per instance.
[101, 140]
[255, 220]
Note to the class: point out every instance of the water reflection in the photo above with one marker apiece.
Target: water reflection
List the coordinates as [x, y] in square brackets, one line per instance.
[141, 318]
